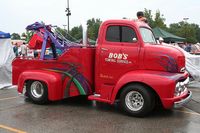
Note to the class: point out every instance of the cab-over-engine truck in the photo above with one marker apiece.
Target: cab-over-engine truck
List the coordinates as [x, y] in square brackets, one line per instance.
[126, 65]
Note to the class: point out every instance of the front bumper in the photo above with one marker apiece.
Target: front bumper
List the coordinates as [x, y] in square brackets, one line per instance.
[182, 102]
[181, 96]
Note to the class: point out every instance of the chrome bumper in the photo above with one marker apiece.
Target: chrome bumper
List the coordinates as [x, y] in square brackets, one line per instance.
[179, 104]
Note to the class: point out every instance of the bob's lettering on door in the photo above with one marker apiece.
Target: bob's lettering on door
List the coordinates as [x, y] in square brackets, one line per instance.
[120, 56]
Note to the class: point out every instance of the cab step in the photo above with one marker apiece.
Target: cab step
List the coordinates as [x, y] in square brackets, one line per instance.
[97, 97]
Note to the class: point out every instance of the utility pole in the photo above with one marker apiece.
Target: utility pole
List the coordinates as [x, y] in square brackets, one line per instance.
[68, 13]
[185, 24]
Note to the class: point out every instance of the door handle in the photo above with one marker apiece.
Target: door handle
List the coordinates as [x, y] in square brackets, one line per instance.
[104, 49]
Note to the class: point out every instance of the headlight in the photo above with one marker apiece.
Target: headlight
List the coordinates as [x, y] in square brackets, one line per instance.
[177, 89]
[180, 87]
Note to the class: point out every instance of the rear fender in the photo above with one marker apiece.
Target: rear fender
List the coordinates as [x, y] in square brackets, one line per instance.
[51, 79]
[163, 83]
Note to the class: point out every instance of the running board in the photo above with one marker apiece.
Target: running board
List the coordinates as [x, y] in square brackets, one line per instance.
[97, 97]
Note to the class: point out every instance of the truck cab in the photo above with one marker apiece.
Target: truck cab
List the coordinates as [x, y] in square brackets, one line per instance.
[126, 65]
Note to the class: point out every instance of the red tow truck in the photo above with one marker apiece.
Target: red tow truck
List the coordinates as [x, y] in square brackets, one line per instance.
[126, 65]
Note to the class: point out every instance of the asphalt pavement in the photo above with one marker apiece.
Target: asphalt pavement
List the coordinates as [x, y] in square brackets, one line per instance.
[195, 102]
[75, 115]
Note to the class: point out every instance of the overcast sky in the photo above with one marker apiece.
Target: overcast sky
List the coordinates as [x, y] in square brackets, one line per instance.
[15, 15]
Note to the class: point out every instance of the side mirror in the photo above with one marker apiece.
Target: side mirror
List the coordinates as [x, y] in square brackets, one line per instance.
[134, 39]
[161, 40]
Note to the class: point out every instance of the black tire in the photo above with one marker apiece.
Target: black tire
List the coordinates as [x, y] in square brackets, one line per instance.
[37, 91]
[137, 100]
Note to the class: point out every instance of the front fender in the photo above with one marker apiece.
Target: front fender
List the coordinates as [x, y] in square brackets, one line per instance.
[163, 83]
[53, 81]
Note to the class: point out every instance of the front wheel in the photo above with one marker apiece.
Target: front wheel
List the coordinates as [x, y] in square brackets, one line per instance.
[137, 100]
[37, 92]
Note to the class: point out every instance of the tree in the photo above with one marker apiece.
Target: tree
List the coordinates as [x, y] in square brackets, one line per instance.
[93, 28]
[15, 36]
[27, 35]
[63, 32]
[157, 21]
[186, 30]
[197, 30]
[149, 16]
[76, 32]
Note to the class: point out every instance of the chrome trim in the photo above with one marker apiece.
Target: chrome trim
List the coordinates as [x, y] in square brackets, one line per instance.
[134, 101]
[37, 89]
[179, 104]
[97, 95]
[180, 87]
[186, 81]
[182, 69]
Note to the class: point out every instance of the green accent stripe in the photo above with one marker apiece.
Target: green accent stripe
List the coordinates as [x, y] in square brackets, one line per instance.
[77, 83]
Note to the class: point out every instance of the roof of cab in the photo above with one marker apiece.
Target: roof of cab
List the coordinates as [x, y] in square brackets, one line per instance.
[136, 23]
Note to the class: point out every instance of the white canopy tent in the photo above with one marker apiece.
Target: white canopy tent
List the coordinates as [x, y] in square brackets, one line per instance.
[6, 57]
[192, 63]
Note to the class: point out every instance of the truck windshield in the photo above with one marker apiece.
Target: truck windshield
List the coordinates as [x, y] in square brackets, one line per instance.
[147, 35]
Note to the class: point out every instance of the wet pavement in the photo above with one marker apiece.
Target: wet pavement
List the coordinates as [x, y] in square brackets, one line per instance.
[18, 115]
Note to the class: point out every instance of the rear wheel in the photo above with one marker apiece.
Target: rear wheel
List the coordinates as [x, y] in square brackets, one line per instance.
[37, 91]
[137, 100]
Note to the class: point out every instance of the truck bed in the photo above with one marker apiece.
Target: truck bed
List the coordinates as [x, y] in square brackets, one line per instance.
[83, 59]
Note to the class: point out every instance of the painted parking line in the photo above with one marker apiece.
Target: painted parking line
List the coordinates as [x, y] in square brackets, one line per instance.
[11, 129]
[187, 112]
[8, 98]
[195, 90]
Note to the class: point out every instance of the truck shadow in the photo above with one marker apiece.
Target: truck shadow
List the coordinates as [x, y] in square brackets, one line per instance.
[82, 102]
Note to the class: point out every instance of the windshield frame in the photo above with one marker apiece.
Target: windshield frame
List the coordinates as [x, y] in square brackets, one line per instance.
[153, 39]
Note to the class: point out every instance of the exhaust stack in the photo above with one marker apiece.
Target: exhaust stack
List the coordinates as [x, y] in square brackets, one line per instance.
[84, 26]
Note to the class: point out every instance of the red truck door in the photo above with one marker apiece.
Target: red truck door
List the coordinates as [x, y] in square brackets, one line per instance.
[118, 54]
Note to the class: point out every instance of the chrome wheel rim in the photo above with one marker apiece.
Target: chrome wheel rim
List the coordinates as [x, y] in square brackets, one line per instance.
[134, 101]
[37, 89]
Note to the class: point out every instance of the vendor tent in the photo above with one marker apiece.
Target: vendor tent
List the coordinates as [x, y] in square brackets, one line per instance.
[168, 37]
[4, 35]
[6, 57]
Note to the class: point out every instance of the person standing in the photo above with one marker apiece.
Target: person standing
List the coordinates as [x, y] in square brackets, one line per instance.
[189, 48]
[15, 49]
[23, 49]
[140, 16]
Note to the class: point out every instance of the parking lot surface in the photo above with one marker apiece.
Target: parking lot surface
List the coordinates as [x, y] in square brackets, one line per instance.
[74, 115]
